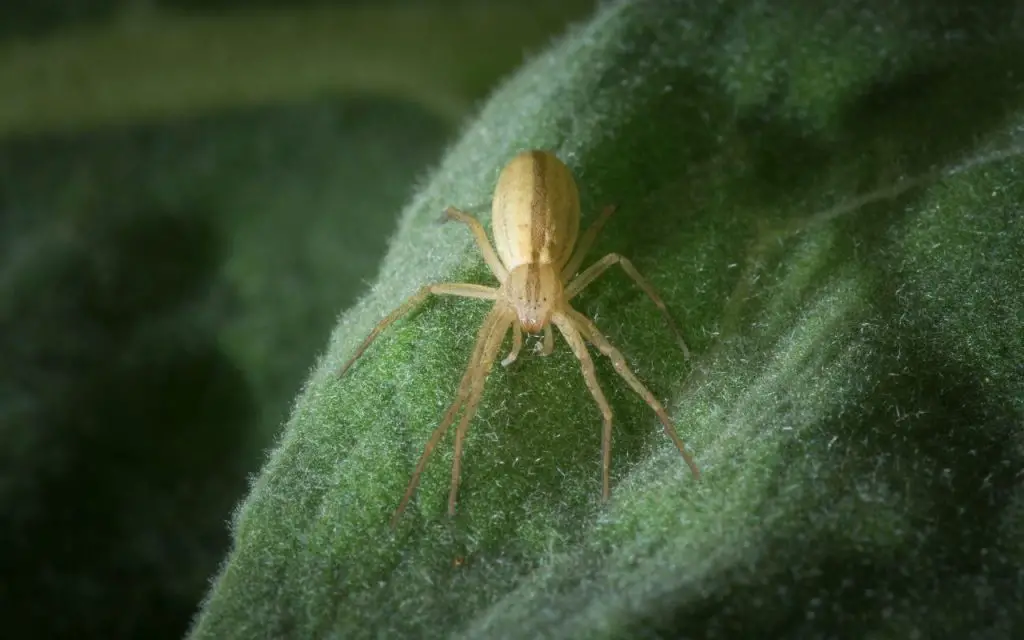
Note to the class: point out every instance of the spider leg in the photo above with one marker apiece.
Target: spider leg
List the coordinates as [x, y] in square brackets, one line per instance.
[448, 289]
[547, 347]
[481, 368]
[549, 341]
[572, 336]
[599, 267]
[486, 249]
[585, 242]
[453, 409]
[517, 344]
[591, 332]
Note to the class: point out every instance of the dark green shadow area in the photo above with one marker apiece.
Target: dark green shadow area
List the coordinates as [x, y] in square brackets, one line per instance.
[121, 417]
[34, 18]
[854, 399]
[39, 18]
[162, 293]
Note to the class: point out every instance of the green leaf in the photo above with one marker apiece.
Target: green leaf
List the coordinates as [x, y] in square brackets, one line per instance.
[829, 200]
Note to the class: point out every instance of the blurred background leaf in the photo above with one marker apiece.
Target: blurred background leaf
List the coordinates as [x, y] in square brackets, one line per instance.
[149, 62]
[189, 195]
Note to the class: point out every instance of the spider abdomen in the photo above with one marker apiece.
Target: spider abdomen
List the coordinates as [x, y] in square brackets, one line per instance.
[535, 211]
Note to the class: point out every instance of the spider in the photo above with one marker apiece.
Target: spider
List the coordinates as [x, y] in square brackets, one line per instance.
[536, 219]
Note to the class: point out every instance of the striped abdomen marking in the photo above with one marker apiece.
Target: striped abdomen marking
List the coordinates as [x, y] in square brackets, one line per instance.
[536, 211]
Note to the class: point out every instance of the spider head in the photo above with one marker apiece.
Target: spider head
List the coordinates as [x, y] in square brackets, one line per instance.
[534, 291]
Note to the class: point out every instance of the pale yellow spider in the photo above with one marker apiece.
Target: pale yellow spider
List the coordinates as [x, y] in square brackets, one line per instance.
[536, 219]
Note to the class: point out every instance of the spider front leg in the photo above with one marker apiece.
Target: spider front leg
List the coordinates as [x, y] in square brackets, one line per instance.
[579, 348]
[599, 267]
[483, 355]
[517, 345]
[503, 319]
[591, 333]
[548, 346]
[464, 290]
[545, 348]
